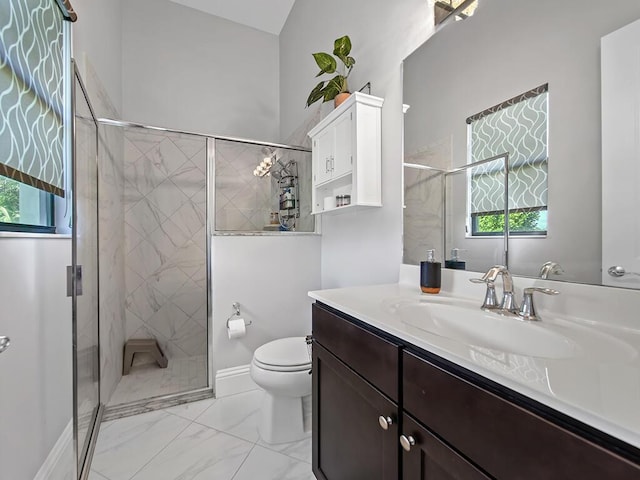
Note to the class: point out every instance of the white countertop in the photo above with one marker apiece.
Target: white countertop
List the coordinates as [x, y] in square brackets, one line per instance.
[598, 388]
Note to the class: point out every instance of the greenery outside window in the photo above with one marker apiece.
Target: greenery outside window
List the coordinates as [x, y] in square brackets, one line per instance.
[24, 208]
[521, 222]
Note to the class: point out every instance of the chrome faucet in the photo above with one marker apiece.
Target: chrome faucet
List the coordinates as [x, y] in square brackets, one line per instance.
[508, 303]
[490, 300]
[550, 268]
[528, 311]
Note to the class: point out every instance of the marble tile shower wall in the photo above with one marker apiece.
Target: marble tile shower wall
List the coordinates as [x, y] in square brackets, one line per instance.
[111, 232]
[165, 241]
[243, 201]
[423, 201]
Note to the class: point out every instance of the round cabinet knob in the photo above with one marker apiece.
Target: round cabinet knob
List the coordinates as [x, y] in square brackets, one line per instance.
[385, 422]
[407, 442]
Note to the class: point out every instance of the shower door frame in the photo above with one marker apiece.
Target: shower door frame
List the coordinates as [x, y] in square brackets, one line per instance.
[85, 452]
[163, 401]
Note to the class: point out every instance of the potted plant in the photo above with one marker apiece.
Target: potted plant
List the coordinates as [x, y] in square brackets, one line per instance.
[336, 88]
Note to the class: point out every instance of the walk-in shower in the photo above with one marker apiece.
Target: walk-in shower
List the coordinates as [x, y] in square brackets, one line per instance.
[178, 189]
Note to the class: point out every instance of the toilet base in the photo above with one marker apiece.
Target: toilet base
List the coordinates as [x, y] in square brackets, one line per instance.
[282, 419]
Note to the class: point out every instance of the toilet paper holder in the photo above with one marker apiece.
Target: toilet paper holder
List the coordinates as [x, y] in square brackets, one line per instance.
[236, 313]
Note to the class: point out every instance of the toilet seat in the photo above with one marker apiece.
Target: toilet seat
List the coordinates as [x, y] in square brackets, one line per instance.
[283, 355]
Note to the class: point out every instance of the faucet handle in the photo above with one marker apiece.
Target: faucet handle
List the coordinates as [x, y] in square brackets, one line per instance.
[490, 298]
[527, 310]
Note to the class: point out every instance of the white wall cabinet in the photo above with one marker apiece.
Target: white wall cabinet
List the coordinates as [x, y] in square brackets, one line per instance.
[347, 155]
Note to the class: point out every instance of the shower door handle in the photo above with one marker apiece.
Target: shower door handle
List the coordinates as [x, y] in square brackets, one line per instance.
[74, 275]
[5, 342]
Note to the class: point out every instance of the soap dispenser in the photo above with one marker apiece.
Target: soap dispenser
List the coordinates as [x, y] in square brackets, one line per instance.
[430, 273]
[455, 263]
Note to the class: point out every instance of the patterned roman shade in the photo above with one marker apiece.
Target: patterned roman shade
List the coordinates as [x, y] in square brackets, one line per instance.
[487, 187]
[32, 71]
[518, 127]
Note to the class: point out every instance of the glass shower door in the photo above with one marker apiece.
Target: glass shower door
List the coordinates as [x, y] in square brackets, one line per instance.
[85, 273]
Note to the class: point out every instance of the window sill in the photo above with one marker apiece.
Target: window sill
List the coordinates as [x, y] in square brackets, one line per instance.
[58, 236]
[511, 237]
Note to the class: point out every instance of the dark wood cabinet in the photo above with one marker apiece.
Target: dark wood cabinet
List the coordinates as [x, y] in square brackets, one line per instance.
[502, 438]
[431, 459]
[348, 441]
[460, 428]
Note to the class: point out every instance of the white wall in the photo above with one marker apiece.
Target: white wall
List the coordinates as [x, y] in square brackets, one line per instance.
[363, 247]
[196, 72]
[36, 370]
[270, 277]
[97, 37]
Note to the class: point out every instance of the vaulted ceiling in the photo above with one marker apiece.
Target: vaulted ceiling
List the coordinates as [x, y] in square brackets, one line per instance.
[265, 15]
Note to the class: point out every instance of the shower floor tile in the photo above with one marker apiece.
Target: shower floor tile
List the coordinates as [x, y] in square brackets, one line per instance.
[153, 446]
[148, 380]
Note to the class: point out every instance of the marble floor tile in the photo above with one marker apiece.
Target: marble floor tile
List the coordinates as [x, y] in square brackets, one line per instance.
[300, 450]
[199, 452]
[148, 380]
[180, 443]
[129, 443]
[236, 414]
[93, 475]
[191, 410]
[265, 464]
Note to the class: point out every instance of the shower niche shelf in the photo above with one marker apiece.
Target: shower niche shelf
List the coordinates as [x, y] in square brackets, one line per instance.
[346, 156]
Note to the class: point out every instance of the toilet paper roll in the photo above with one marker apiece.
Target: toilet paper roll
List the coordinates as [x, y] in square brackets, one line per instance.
[236, 328]
[329, 203]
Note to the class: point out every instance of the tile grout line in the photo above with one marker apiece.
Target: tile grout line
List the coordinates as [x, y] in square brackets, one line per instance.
[226, 433]
[240, 438]
[161, 450]
[243, 461]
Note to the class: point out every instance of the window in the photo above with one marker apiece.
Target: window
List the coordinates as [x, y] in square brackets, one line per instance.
[453, 9]
[24, 208]
[32, 71]
[517, 127]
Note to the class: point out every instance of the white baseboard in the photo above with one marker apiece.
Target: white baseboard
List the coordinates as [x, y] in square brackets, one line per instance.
[61, 453]
[230, 381]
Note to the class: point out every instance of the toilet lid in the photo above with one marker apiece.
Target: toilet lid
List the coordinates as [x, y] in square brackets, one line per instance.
[284, 352]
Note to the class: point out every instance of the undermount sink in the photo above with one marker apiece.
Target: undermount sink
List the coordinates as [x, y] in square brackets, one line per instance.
[465, 322]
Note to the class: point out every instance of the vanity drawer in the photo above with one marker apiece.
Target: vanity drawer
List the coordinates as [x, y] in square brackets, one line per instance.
[502, 438]
[373, 357]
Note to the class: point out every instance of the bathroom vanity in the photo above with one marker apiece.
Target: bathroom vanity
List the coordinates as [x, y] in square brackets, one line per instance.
[394, 399]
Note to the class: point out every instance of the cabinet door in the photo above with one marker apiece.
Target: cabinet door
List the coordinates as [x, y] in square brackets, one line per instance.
[343, 155]
[348, 441]
[323, 146]
[429, 458]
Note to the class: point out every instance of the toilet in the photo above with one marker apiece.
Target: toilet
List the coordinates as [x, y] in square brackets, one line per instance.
[281, 368]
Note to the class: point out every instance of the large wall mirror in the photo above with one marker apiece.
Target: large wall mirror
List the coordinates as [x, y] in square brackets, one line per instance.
[530, 66]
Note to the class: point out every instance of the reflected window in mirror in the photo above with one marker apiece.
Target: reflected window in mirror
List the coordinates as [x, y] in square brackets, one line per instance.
[518, 126]
[445, 10]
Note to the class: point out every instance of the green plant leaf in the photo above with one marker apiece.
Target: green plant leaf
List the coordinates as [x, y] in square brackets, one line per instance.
[316, 94]
[342, 48]
[335, 86]
[326, 63]
[350, 62]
